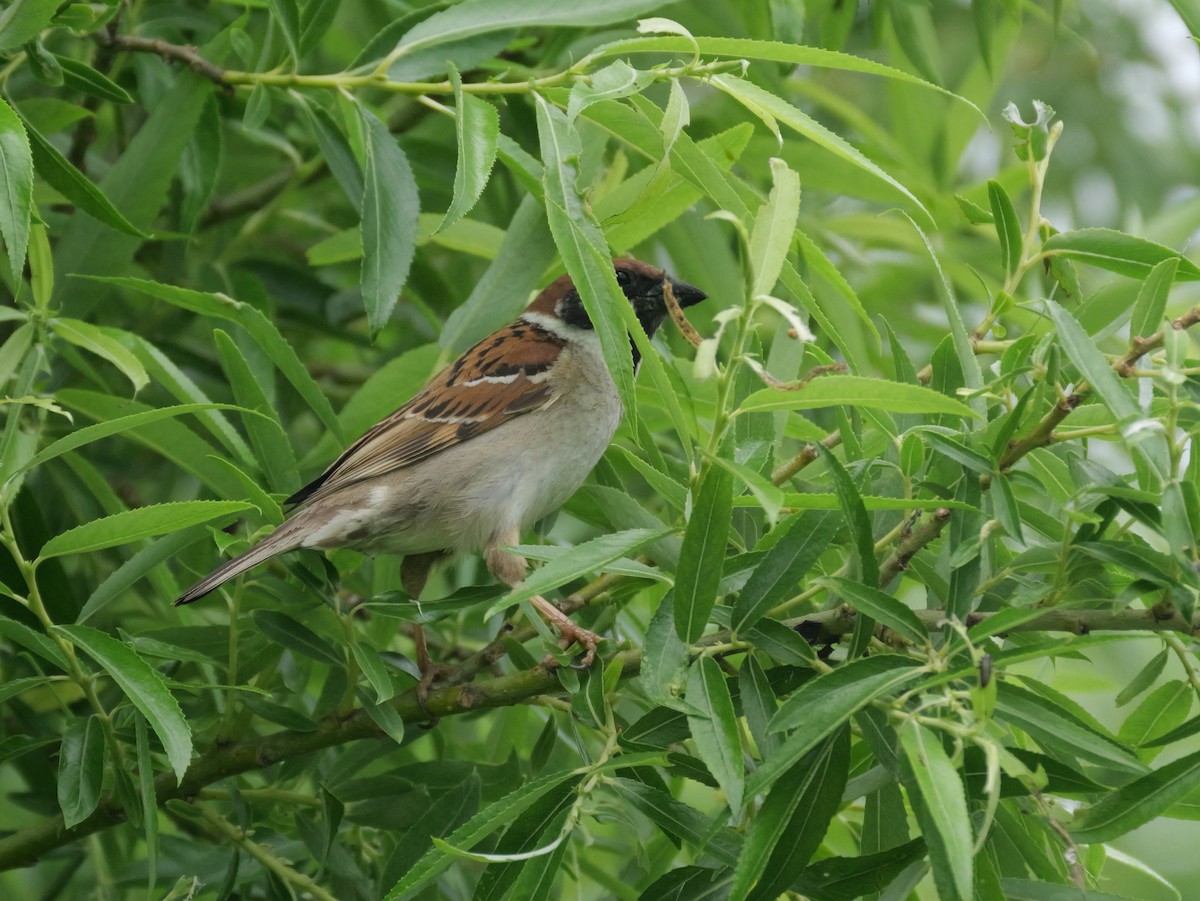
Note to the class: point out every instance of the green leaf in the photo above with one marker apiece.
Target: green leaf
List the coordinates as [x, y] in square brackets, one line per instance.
[37, 642]
[72, 184]
[500, 813]
[758, 705]
[702, 557]
[1151, 301]
[338, 154]
[801, 541]
[589, 557]
[856, 391]
[664, 656]
[24, 20]
[714, 727]
[771, 236]
[851, 878]
[287, 14]
[588, 260]
[138, 566]
[940, 804]
[882, 607]
[1054, 727]
[820, 705]
[1008, 228]
[376, 672]
[1138, 802]
[80, 769]
[793, 820]
[143, 686]
[97, 340]
[477, 17]
[389, 221]
[476, 127]
[852, 505]
[1034, 890]
[762, 102]
[1145, 677]
[1118, 252]
[79, 76]
[16, 182]
[143, 522]
[261, 329]
[770, 51]
[295, 636]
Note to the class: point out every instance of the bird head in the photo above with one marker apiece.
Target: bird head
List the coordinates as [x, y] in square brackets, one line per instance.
[640, 282]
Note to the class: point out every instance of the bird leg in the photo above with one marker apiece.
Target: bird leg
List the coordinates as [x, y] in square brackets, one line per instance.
[414, 571]
[510, 569]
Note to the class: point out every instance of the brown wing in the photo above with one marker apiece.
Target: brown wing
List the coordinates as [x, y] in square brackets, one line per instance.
[504, 375]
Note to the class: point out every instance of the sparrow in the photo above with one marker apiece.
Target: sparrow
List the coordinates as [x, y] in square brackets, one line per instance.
[494, 442]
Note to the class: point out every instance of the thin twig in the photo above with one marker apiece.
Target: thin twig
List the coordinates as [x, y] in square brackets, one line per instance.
[182, 53]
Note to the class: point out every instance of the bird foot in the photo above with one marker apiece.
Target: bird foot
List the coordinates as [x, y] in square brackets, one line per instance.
[431, 675]
[568, 633]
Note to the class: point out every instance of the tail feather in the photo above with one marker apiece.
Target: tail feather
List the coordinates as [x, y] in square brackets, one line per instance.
[283, 539]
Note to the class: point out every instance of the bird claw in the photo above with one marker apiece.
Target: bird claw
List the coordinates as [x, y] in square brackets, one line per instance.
[430, 674]
[571, 634]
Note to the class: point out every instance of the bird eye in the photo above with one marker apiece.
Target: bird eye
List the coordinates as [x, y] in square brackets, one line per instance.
[624, 278]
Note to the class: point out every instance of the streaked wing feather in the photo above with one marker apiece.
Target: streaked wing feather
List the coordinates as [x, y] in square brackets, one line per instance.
[501, 377]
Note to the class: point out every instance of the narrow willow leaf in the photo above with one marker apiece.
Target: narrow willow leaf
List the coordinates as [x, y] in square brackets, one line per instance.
[80, 769]
[477, 126]
[1145, 677]
[376, 672]
[679, 820]
[1119, 252]
[16, 183]
[497, 815]
[261, 329]
[851, 878]
[771, 236]
[138, 566]
[79, 76]
[588, 260]
[664, 657]
[37, 642]
[856, 391]
[940, 804]
[72, 184]
[478, 17]
[880, 606]
[802, 541]
[792, 821]
[143, 522]
[756, 98]
[759, 705]
[1054, 728]
[143, 686]
[389, 221]
[1151, 301]
[287, 14]
[295, 636]
[714, 728]
[145, 772]
[820, 705]
[338, 154]
[702, 557]
[589, 557]
[1008, 228]
[1092, 363]
[97, 340]
[1137, 803]
[852, 505]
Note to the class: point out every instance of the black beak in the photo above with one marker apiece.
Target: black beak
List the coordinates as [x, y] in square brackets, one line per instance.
[687, 295]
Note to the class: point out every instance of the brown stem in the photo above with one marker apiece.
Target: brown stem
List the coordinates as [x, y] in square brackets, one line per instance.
[187, 55]
[810, 452]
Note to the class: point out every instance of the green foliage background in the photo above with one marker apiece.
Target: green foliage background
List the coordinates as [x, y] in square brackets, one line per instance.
[902, 607]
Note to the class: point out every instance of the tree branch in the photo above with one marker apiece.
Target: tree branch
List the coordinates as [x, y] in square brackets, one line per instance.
[187, 55]
[24, 847]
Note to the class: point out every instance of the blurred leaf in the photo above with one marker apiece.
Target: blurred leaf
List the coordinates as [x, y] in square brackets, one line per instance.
[143, 686]
[23, 20]
[295, 636]
[1119, 252]
[714, 727]
[856, 391]
[702, 557]
[80, 769]
[143, 522]
[287, 14]
[79, 76]
[389, 221]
